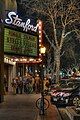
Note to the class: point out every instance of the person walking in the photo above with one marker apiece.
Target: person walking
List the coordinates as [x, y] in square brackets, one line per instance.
[14, 84]
[20, 86]
[37, 83]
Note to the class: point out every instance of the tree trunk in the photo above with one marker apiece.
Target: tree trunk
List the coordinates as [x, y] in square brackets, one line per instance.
[57, 64]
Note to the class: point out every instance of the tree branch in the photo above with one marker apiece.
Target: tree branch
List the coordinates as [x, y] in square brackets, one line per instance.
[53, 46]
[54, 28]
[62, 53]
[68, 33]
[71, 21]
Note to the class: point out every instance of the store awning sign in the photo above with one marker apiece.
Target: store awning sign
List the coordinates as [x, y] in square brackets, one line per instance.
[13, 19]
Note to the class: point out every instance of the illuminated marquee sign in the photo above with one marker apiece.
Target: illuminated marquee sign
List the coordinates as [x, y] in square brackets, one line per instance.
[19, 43]
[13, 19]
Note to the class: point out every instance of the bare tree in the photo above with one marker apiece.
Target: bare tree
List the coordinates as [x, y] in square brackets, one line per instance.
[63, 17]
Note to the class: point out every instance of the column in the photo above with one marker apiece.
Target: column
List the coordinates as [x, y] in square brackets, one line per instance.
[1, 51]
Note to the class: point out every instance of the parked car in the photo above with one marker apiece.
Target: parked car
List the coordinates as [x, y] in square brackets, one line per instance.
[66, 93]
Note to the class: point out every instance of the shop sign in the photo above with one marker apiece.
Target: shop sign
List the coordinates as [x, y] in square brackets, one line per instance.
[13, 19]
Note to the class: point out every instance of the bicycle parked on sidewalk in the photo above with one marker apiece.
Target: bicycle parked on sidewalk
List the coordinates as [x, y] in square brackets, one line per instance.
[42, 104]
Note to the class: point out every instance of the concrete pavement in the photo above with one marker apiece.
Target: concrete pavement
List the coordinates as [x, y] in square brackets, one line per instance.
[51, 114]
[22, 107]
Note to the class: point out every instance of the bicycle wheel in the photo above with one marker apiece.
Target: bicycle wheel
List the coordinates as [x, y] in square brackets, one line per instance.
[39, 104]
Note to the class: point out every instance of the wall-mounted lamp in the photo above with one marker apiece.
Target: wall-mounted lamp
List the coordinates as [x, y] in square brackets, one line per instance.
[42, 50]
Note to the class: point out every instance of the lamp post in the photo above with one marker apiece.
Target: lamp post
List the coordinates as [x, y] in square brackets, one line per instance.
[42, 51]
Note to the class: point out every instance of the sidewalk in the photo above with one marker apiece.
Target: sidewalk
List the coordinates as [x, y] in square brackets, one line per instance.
[51, 114]
[22, 107]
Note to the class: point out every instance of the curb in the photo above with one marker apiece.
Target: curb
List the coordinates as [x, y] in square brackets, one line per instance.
[72, 114]
[59, 116]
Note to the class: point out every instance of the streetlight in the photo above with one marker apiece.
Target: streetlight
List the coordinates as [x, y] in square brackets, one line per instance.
[42, 51]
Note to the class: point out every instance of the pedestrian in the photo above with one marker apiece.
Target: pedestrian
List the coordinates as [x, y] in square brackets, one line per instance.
[5, 84]
[14, 86]
[37, 83]
[17, 85]
[20, 86]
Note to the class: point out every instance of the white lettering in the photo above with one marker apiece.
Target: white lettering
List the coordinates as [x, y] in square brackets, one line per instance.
[15, 20]
[10, 20]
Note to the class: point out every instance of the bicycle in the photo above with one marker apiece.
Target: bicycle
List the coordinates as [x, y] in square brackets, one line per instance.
[40, 104]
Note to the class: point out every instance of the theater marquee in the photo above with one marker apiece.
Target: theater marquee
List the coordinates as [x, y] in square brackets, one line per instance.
[19, 43]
